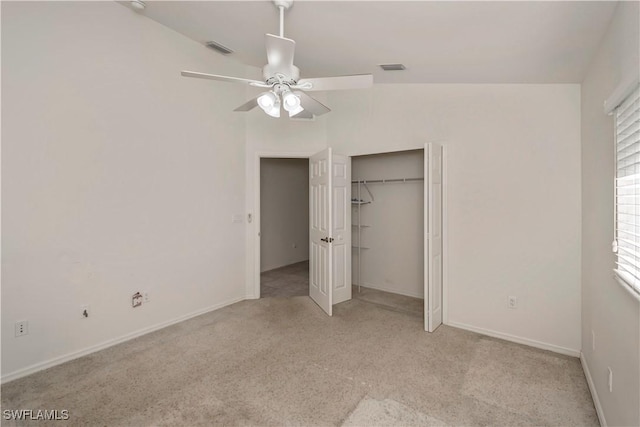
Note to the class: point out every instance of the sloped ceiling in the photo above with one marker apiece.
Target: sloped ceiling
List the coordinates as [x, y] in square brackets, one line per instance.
[439, 42]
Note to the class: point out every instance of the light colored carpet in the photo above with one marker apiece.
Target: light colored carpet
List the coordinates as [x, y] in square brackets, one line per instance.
[387, 412]
[293, 280]
[288, 281]
[282, 361]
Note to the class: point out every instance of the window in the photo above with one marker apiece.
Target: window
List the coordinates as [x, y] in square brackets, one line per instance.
[627, 190]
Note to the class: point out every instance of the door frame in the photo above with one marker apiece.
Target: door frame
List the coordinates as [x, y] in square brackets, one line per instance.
[256, 206]
[445, 218]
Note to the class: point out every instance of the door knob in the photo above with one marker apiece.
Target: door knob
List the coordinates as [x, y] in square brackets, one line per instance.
[326, 239]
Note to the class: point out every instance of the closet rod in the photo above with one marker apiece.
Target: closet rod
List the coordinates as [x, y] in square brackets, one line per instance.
[371, 181]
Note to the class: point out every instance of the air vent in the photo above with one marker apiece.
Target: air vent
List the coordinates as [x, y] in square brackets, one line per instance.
[219, 48]
[392, 67]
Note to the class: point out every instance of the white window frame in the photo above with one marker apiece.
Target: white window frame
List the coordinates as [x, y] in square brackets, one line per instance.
[626, 245]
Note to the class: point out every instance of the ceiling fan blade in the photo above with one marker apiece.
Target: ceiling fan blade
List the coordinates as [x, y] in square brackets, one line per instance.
[222, 78]
[304, 114]
[280, 52]
[311, 105]
[249, 105]
[360, 81]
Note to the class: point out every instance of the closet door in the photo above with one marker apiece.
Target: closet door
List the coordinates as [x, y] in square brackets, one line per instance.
[433, 236]
[341, 227]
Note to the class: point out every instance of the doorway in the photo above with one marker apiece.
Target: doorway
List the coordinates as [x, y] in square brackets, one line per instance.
[387, 203]
[284, 227]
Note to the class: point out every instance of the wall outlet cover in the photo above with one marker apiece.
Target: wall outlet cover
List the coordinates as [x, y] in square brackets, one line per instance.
[136, 300]
[22, 328]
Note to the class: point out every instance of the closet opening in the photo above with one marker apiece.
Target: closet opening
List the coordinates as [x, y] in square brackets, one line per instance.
[284, 227]
[388, 221]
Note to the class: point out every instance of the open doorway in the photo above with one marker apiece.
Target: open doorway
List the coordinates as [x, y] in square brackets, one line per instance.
[388, 266]
[284, 227]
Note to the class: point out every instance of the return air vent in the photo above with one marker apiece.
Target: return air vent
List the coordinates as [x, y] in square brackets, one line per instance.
[392, 67]
[219, 48]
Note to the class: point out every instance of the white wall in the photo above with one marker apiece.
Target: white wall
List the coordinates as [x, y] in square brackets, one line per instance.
[513, 195]
[394, 260]
[118, 176]
[607, 309]
[284, 212]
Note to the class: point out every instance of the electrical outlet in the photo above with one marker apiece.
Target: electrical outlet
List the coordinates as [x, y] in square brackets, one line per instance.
[136, 300]
[610, 380]
[85, 311]
[146, 297]
[512, 302]
[22, 328]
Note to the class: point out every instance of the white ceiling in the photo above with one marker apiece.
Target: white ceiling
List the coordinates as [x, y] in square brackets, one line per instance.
[438, 41]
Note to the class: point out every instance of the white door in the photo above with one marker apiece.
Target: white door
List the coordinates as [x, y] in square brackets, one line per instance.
[341, 227]
[320, 254]
[433, 236]
[330, 229]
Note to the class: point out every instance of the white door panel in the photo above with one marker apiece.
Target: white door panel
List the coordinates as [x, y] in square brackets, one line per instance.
[320, 254]
[330, 229]
[341, 227]
[433, 236]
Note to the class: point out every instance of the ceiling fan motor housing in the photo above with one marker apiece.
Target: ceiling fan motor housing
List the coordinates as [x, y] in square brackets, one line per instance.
[291, 73]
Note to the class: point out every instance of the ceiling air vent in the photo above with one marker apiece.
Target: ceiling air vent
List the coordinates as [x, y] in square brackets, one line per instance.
[392, 67]
[219, 48]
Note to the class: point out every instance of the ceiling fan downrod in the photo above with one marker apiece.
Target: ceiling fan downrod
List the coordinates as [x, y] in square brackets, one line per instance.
[282, 5]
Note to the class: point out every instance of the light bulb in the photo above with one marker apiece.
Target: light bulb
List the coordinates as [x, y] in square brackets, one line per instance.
[267, 100]
[291, 101]
[274, 110]
[295, 111]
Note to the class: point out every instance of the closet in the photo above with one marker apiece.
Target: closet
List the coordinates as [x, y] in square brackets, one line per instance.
[388, 220]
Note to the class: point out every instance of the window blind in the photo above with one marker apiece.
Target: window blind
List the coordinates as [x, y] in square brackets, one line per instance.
[627, 190]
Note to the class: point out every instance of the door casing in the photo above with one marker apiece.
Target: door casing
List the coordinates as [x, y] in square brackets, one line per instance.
[255, 229]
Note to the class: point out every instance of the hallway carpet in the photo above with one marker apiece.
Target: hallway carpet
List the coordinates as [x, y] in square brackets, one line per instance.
[282, 361]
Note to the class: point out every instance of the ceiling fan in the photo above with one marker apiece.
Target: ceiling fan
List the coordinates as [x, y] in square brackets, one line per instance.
[282, 78]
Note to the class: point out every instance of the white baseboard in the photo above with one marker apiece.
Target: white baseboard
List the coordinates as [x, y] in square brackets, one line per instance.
[109, 343]
[390, 290]
[517, 339]
[594, 392]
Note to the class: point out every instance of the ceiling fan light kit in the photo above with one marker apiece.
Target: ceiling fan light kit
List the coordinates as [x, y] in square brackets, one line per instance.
[283, 79]
[270, 103]
[291, 103]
